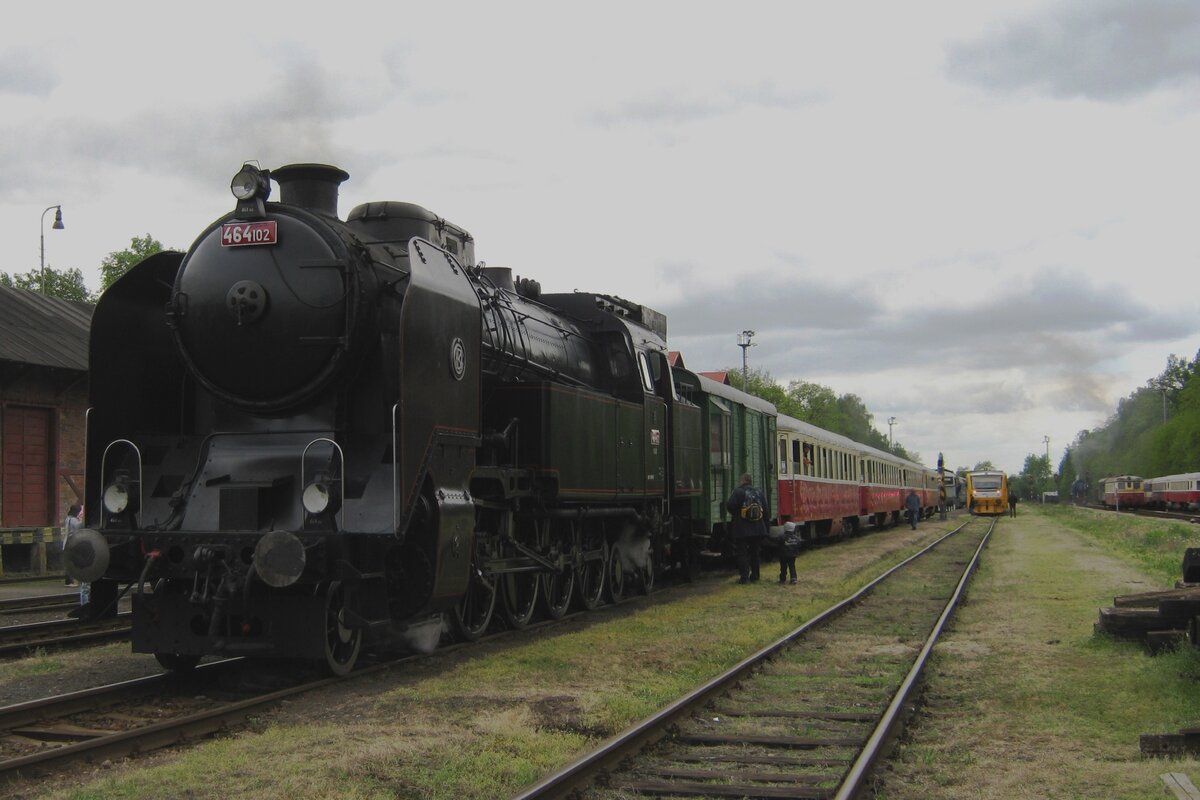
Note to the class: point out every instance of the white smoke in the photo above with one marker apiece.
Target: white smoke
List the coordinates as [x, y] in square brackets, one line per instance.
[632, 549]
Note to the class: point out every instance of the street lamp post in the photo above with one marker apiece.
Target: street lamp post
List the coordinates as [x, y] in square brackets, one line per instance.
[891, 422]
[58, 226]
[744, 342]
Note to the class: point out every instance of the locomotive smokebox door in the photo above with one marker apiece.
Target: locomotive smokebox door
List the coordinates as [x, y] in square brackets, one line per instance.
[440, 336]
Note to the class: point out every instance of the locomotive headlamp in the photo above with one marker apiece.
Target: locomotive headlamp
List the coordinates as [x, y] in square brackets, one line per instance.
[116, 497]
[251, 186]
[318, 497]
[249, 182]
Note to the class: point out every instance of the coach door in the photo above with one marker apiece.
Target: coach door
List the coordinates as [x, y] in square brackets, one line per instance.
[28, 462]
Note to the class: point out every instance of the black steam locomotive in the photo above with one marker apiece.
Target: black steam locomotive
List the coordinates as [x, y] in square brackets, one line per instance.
[310, 435]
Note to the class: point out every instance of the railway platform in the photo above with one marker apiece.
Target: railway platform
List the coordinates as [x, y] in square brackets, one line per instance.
[30, 551]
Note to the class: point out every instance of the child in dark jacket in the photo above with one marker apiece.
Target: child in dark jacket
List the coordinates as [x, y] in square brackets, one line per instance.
[789, 547]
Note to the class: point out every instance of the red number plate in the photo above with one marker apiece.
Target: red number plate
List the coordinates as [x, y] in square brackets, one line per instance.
[240, 234]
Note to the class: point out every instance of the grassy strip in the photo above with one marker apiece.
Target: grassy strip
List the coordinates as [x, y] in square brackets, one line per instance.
[1156, 545]
[1024, 700]
[486, 724]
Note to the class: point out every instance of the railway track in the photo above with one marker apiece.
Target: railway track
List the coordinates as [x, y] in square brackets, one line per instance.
[1182, 516]
[161, 710]
[17, 640]
[805, 717]
[40, 603]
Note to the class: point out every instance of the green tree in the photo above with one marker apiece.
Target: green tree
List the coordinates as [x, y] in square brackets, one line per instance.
[66, 285]
[1154, 431]
[118, 262]
[818, 405]
[1034, 478]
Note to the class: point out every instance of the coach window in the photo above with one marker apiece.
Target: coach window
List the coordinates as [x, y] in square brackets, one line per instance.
[718, 435]
[783, 455]
[796, 459]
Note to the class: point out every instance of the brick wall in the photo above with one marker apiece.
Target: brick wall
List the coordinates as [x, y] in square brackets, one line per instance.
[66, 393]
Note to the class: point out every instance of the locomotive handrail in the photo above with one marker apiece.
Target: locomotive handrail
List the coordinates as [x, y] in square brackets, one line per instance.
[395, 474]
[103, 472]
[341, 479]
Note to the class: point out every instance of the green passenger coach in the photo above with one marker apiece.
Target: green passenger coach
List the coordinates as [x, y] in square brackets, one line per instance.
[740, 429]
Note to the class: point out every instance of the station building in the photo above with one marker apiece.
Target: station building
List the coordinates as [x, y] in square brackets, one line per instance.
[43, 408]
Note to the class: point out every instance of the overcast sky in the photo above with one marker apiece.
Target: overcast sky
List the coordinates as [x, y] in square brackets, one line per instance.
[979, 217]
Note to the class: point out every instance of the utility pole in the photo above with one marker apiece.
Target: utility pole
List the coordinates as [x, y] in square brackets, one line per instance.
[744, 342]
[1046, 439]
[891, 422]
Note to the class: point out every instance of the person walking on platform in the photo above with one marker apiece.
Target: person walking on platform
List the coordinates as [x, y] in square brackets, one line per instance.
[748, 527]
[1012, 504]
[912, 507]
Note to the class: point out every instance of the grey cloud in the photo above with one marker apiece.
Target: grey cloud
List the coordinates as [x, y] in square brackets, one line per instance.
[759, 300]
[1079, 391]
[26, 72]
[976, 397]
[290, 119]
[1109, 50]
[1056, 331]
[677, 107]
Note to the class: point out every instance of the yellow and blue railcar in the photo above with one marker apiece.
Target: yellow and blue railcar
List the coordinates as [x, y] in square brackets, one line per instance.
[987, 492]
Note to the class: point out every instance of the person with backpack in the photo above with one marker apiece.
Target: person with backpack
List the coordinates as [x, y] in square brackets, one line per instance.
[749, 509]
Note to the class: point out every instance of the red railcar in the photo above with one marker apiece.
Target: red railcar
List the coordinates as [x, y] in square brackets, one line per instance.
[1123, 491]
[1173, 491]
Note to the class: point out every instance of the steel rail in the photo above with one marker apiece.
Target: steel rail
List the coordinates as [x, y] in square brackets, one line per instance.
[205, 722]
[859, 770]
[60, 632]
[42, 602]
[575, 775]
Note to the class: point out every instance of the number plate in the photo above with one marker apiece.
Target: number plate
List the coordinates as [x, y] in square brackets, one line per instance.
[240, 234]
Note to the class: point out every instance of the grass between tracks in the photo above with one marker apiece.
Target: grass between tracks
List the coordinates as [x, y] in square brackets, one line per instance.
[1024, 701]
[484, 724]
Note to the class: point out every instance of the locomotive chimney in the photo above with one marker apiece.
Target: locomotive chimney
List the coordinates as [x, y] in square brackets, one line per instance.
[310, 186]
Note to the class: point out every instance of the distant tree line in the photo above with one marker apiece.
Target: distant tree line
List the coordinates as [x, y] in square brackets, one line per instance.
[818, 405]
[67, 284]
